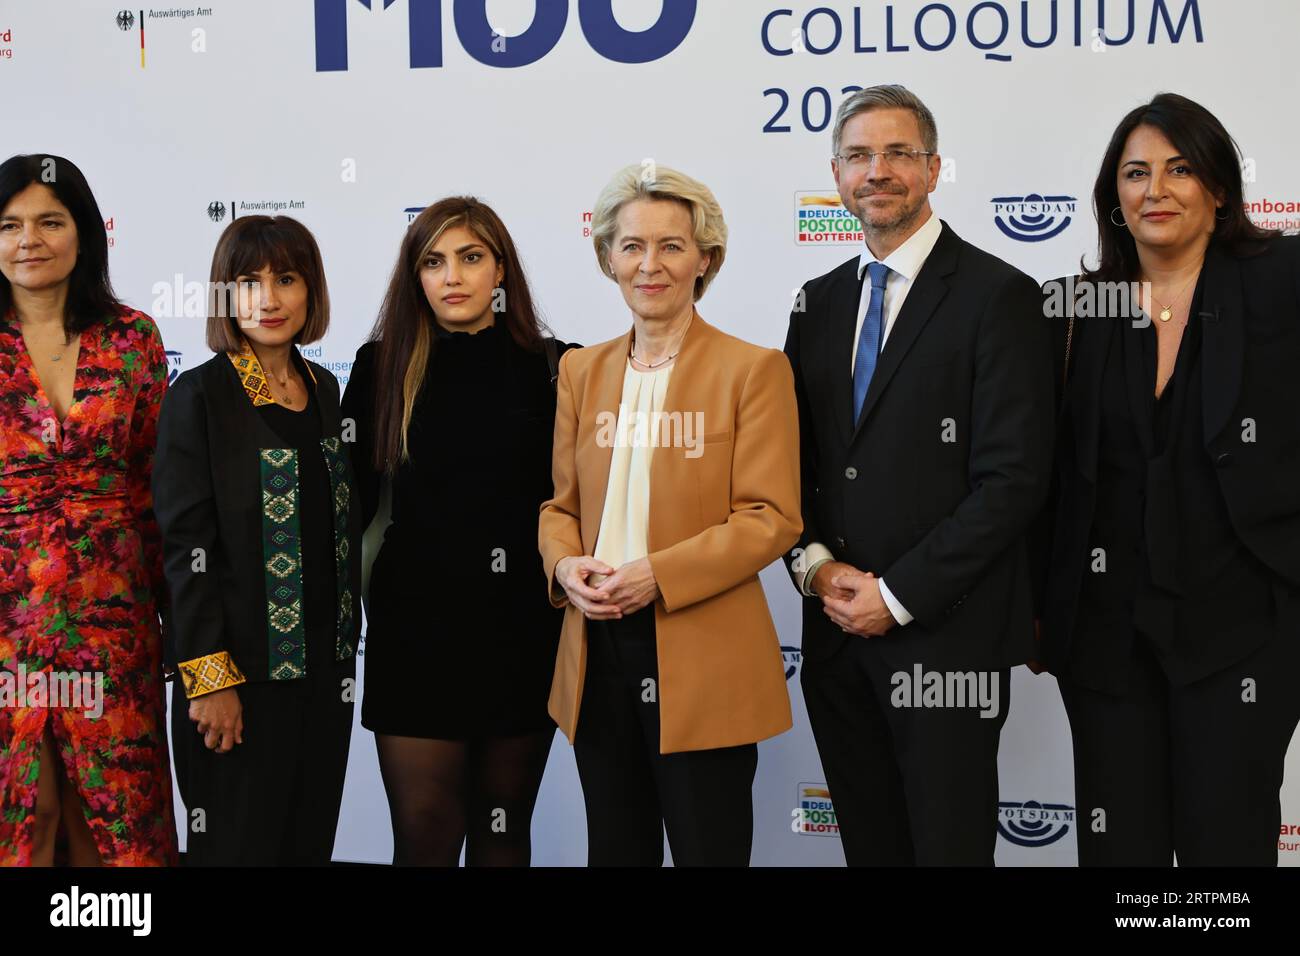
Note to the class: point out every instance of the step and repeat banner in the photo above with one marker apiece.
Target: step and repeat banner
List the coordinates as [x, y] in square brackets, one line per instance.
[352, 115]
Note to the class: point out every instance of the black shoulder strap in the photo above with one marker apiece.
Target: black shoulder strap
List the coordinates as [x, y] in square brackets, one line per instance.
[551, 359]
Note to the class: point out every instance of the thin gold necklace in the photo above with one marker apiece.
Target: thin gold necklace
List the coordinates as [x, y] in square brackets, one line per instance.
[669, 358]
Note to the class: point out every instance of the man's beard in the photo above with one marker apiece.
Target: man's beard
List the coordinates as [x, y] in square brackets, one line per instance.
[904, 217]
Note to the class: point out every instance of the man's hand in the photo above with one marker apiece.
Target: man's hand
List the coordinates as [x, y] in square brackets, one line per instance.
[220, 719]
[572, 574]
[866, 613]
[631, 587]
[821, 581]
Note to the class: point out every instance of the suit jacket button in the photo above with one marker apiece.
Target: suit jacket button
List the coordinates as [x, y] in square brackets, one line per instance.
[850, 473]
[1223, 460]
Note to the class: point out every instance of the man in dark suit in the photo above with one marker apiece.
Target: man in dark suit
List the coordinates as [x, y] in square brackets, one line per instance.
[923, 371]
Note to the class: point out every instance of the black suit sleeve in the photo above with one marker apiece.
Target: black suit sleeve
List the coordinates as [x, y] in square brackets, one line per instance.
[1040, 532]
[358, 410]
[1010, 457]
[808, 460]
[185, 506]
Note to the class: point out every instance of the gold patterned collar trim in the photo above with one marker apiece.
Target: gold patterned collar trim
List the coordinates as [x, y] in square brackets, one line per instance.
[251, 376]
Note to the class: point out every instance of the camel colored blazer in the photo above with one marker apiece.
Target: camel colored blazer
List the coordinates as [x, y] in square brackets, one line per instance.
[719, 513]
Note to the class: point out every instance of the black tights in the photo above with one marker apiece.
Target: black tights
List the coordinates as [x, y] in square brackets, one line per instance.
[445, 793]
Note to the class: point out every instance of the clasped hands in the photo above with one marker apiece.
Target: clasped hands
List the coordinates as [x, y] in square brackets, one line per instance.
[851, 598]
[624, 591]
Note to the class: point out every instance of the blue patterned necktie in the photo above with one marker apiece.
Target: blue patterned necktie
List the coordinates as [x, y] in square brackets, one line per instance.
[869, 340]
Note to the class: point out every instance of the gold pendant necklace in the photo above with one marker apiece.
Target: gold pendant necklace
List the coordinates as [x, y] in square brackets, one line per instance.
[1167, 311]
[284, 389]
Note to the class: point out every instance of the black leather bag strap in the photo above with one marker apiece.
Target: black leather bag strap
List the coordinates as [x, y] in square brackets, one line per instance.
[552, 360]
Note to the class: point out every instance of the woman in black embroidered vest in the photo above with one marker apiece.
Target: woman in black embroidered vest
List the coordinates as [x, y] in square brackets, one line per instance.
[453, 402]
[1172, 604]
[252, 487]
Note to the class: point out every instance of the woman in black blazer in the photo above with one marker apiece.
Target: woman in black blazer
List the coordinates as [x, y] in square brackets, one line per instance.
[454, 404]
[1171, 616]
[261, 540]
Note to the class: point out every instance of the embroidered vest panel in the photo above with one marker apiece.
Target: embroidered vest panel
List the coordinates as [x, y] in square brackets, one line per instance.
[282, 564]
[342, 490]
[282, 541]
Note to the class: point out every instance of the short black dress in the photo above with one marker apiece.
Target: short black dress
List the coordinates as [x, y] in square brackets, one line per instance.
[460, 636]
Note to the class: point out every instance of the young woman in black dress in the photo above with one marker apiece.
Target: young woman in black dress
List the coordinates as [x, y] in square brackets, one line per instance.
[453, 402]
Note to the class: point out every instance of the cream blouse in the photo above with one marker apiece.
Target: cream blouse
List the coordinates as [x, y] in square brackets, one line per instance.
[622, 535]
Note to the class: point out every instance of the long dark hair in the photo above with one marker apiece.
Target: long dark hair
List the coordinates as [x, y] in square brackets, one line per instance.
[1215, 159]
[404, 330]
[90, 293]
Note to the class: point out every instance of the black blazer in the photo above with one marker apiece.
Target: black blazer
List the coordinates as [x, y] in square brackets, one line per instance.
[943, 522]
[221, 483]
[1250, 354]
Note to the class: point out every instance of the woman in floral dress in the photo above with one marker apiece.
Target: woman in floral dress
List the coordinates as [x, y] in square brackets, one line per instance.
[82, 744]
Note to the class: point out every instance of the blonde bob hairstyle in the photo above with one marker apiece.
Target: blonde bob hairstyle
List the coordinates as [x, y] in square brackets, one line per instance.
[652, 181]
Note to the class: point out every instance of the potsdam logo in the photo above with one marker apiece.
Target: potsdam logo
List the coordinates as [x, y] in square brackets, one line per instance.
[174, 365]
[411, 212]
[469, 17]
[820, 219]
[1032, 823]
[814, 813]
[1033, 218]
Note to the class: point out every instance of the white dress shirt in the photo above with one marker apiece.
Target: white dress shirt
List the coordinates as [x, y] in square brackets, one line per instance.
[904, 264]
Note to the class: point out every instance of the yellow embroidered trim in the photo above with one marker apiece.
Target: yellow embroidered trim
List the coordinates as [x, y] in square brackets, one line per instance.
[251, 376]
[213, 672]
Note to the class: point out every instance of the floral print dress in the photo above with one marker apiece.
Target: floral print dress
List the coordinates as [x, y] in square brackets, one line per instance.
[80, 584]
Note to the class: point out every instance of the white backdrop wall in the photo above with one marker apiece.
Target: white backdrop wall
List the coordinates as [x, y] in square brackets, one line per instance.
[350, 115]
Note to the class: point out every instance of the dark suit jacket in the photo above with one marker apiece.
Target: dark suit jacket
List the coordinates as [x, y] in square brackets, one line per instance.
[943, 522]
[1250, 315]
[214, 460]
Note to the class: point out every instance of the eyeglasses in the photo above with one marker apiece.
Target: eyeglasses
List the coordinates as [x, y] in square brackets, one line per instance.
[894, 158]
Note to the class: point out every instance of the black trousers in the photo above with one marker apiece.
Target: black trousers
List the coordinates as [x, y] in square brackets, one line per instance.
[1192, 771]
[911, 785]
[274, 799]
[704, 798]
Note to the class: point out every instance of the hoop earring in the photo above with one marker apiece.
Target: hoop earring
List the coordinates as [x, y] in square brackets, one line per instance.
[1121, 223]
[1224, 217]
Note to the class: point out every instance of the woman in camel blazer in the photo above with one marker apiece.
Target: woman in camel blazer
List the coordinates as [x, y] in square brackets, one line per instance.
[676, 471]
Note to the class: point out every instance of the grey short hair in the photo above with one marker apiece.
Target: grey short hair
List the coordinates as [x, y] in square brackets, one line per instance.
[890, 96]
